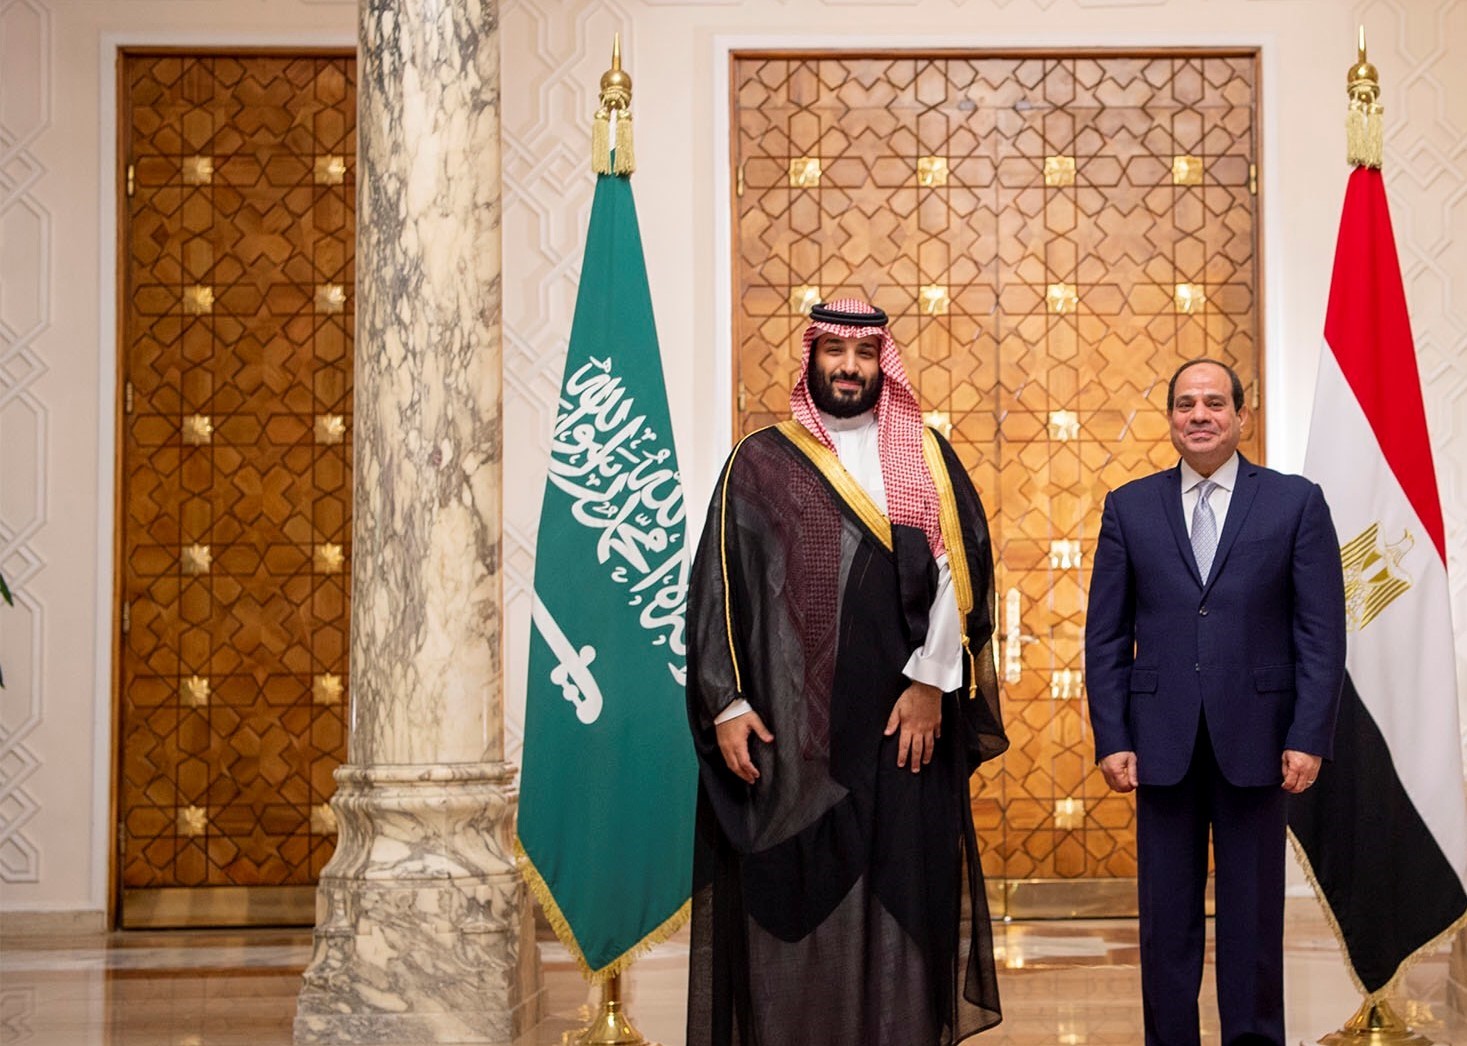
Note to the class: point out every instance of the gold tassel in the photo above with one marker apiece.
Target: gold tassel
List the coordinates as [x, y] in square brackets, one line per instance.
[616, 100]
[1364, 127]
[1364, 134]
[601, 141]
[626, 158]
[972, 667]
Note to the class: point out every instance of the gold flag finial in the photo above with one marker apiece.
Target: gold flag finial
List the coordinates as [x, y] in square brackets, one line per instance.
[615, 107]
[1364, 131]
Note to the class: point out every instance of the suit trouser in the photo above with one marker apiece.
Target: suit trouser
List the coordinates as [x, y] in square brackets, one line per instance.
[1248, 827]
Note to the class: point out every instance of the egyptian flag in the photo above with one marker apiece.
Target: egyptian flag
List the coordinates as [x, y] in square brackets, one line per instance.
[1383, 833]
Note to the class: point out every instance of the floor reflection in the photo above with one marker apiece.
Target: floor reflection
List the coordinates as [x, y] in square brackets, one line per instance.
[1071, 982]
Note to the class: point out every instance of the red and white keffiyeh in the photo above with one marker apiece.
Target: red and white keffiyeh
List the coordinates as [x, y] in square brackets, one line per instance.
[911, 497]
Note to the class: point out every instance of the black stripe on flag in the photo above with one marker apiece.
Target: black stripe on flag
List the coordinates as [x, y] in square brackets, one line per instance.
[1382, 872]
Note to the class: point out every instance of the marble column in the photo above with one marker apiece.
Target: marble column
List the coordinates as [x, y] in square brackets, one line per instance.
[422, 933]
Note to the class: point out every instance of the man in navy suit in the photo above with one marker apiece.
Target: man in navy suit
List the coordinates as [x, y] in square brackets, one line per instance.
[1214, 655]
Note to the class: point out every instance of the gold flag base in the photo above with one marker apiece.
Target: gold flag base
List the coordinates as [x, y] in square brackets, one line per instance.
[1375, 1024]
[611, 1026]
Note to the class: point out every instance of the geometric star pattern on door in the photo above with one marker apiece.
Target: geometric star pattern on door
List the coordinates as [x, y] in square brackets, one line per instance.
[242, 211]
[1041, 314]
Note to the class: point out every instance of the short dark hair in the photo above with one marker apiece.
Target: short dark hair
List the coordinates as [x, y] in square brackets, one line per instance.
[1171, 389]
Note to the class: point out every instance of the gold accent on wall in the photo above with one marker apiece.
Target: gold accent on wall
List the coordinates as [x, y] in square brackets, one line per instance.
[326, 689]
[192, 820]
[931, 171]
[323, 819]
[1190, 298]
[329, 558]
[196, 559]
[1069, 813]
[198, 429]
[805, 172]
[330, 298]
[1187, 170]
[1064, 553]
[1064, 425]
[330, 429]
[198, 300]
[1059, 171]
[1064, 684]
[940, 420]
[1013, 642]
[803, 299]
[198, 170]
[934, 299]
[1062, 298]
[330, 170]
[194, 691]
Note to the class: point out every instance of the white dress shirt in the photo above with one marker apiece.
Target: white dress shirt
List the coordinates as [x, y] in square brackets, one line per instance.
[1226, 478]
[939, 661]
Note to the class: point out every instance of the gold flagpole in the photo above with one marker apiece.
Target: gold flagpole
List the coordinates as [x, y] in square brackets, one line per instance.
[1375, 1023]
[611, 1026]
[611, 153]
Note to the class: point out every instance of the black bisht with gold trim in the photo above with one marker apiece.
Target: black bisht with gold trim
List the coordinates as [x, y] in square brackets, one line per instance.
[840, 899]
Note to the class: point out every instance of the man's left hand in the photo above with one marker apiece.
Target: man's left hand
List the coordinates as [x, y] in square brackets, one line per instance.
[918, 715]
[1300, 770]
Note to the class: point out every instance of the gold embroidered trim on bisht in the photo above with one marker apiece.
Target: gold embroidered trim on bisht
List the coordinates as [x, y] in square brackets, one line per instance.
[952, 538]
[846, 487]
[723, 562]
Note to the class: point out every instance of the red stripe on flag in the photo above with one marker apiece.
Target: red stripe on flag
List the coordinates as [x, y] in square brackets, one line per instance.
[1370, 332]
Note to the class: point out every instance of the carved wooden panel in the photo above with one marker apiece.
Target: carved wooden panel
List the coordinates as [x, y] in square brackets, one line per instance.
[1053, 235]
[235, 512]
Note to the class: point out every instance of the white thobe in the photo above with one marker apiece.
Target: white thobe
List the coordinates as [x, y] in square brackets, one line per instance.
[939, 660]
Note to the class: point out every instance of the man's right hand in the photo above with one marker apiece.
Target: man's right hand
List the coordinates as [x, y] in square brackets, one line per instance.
[1119, 769]
[733, 742]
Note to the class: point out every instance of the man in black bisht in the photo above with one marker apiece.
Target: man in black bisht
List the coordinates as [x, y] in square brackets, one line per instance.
[841, 692]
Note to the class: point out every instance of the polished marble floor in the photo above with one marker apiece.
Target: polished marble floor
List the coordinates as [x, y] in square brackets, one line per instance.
[1063, 983]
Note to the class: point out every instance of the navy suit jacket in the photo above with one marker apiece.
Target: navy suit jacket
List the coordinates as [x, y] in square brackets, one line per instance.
[1260, 646]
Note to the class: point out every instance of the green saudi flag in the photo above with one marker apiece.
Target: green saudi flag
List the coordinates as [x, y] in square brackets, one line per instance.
[610, 780]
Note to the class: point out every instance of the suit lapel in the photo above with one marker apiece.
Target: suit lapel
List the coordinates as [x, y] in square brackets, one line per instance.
[1171, 504]
[1238, 506]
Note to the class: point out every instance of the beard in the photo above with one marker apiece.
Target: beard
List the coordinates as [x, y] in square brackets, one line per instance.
[840, 404]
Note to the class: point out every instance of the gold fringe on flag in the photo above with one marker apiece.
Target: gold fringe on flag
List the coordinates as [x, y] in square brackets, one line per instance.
[561, 927]
[1364, 129]
[616, 106]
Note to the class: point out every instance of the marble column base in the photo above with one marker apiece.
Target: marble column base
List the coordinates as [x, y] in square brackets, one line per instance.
[423, 930]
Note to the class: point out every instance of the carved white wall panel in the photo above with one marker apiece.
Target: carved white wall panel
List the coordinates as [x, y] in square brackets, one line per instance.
[1418, 45]
[554, 54]
[25, 273]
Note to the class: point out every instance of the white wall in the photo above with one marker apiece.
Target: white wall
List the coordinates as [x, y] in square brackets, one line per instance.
[56, 236]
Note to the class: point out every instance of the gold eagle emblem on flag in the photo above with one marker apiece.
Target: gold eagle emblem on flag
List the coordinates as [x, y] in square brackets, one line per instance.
[1374, 577]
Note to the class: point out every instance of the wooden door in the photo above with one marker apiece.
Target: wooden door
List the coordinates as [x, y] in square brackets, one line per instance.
[234, 514]
[1054, 234]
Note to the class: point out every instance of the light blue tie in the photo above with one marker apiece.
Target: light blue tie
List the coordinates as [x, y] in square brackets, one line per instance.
[1204, 529]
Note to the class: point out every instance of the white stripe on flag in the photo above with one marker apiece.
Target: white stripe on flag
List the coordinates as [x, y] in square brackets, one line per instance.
[1402, 662]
